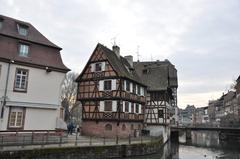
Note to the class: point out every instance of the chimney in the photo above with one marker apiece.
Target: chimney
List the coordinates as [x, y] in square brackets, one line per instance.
[116, 50]
[129, 58]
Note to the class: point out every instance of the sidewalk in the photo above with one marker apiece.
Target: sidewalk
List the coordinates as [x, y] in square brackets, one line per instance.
[79, 141]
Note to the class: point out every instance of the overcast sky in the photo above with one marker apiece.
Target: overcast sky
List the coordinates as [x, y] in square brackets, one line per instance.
[200, 37]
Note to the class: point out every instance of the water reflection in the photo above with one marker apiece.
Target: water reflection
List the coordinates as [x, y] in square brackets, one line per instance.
[204, 145]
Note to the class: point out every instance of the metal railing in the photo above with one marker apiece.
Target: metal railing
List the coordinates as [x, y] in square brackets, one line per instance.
[59, 139]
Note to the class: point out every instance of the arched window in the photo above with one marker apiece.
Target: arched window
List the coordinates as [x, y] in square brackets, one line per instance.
[123, 127]
[108, 127]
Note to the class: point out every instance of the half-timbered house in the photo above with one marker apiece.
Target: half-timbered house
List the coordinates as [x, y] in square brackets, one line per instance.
[112, 95]
[161, 98]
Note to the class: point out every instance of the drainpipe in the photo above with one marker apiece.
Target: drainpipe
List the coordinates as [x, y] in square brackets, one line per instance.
[5, 91]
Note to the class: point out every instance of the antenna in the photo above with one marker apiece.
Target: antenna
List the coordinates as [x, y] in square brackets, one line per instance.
[114, 40]
[114, 43]
[151, 58]
[138, 55]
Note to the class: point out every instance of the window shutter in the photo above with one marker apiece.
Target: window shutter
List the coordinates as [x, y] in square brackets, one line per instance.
[114, 84]
[141, 92]
[130, 107]
[114, 106]
[123, 106]
[140, 109]
[101, 109]
[101, 83]
[125, 85]
[131, 87]
[103, 66]
[93, 67]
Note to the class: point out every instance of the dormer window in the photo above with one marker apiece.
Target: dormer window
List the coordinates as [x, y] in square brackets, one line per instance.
[23, 50]
[22, 29]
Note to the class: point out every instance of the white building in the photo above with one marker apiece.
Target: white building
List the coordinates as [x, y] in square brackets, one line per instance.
[31, 73]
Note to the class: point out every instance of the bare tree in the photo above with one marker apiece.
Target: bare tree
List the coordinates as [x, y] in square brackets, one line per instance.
[69, 93]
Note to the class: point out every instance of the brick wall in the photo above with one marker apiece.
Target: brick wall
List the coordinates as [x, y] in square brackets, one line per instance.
[99, 129]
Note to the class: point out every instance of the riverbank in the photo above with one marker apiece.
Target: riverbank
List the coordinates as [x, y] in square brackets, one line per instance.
[80, 152]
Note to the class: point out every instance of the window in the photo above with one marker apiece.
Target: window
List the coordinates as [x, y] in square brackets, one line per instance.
[108, 85]
[137, 108]
[138, 90]
[21, 80]
[127, 86]
[145, 71]
[22, 30]
[134, 88]
[132, 108]
[16, 117]
[108, 127]
[126, 106]
[108, 106]
[160, 113]
[98, 66]
[23, 50]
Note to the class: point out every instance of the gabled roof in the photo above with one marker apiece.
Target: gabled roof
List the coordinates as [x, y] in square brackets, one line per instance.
[43, 53]
[158, 75]
[119, 64]
[10, 29]
[229, 96]
[238, 79]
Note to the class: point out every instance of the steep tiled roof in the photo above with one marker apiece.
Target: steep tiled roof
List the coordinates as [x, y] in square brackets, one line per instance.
[238, 79]
[121, 65]
[43, 53]
[9, 28]
[158, 75]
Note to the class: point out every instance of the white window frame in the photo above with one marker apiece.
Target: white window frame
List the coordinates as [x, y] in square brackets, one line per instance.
[21, 76]
[23, 50]
[17, 112]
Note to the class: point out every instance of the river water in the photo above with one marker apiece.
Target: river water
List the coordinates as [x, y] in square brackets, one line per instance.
[203, 145]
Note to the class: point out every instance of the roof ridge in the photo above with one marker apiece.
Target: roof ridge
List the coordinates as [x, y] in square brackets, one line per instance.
[3, 16]
[34, 35]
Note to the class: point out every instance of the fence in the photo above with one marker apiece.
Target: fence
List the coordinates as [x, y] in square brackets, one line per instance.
[34, 137]
[58, 139]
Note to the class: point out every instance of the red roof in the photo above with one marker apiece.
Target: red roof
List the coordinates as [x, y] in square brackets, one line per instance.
[43, 53]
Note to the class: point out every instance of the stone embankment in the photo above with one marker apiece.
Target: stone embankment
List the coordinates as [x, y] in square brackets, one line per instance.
[87, 152]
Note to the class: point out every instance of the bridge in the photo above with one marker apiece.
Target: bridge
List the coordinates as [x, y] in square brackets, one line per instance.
[223, 129]
[224, 132]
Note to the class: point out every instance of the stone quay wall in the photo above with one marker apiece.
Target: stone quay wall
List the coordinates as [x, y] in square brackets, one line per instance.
[88, 152]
